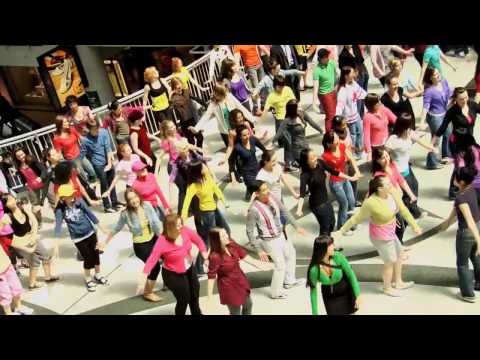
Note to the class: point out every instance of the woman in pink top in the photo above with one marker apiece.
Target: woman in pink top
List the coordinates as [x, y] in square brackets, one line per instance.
[170, 137]
[78, 115]
[124, 168]
[382, 165]
[67, 141]
[174, 248]
[375, 123]
[147, 187]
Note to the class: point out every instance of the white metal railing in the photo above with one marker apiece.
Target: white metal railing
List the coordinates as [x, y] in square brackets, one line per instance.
[35, 142]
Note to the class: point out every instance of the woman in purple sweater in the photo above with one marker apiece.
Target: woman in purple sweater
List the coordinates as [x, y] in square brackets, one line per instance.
[235, 82]
[435, 103]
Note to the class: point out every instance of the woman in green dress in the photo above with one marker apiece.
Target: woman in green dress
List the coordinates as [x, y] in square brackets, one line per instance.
[339, 285]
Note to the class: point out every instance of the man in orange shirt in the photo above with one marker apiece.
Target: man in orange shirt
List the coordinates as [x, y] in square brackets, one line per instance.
[253, 66]
[252, 62]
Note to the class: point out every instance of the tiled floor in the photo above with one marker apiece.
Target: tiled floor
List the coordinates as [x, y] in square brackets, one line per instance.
[69, 296]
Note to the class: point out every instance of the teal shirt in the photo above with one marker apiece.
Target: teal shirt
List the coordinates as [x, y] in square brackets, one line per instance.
[318, 276]
[432, 57]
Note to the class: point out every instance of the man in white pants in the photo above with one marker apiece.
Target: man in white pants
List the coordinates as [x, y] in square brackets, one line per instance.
[265, 214]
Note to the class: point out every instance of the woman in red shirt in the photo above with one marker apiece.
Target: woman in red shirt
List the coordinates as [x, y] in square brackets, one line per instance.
[336, 155]
[33, 175]
[140, 139]
[224, 265]
[67, 141]
[174, 248]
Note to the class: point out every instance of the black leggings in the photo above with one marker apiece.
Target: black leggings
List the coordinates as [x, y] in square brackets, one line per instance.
[90, 255]
[143, 251]
[186, 289]
[325, 217]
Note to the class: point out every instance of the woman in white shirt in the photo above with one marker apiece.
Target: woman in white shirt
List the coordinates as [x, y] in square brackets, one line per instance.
[400, 144]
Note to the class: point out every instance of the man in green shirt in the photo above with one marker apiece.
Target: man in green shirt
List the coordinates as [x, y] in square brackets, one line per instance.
[324, 85]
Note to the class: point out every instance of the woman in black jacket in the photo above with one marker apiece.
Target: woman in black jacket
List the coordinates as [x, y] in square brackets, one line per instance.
[462, 115]
[33, 175]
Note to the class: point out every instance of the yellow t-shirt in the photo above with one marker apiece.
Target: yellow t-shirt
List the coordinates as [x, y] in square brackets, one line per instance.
[183, 75]
[147, 233]
[279, 102]
[205, 193]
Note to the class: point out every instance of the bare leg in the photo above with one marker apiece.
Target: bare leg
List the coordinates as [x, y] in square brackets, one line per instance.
[7, 310]
[32, 276]
[47, 270]
[17, 302]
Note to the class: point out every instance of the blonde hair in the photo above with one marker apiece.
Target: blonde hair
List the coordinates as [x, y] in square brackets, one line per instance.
[163, 127]
[393, 63]
[151, 74]
[175, 81]
[219, 91]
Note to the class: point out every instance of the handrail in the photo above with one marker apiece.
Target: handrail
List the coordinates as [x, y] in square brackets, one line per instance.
[37, 140]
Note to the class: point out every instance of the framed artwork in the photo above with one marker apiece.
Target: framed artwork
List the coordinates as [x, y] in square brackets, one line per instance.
[63, 73]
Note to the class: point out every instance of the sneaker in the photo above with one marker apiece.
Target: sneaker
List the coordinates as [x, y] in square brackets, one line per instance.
[392, 292]
[202, 277]
[279, 297]
[435, 167]
[24, 310]
[446, 161]
[102, 280]
[470, 299]
[91, 286]
[295, 284]
[119, 207]
[450, 53]
[423, 215]
[461, 54]
[110, 211]
[358, 203]
[405, 285]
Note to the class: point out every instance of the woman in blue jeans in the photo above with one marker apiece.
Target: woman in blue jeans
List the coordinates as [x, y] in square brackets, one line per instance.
[435, 103]
[336, 155]
[203, 186]
[467, 212]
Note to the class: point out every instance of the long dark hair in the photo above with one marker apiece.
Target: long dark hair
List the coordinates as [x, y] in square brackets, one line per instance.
[63, 172]
[195, 173]
[304, 160]
[320, 246]
[402, 124]
[427, 78]
[328, 140]
[465, 174]
[3, 199]
[336, 123]
[227, 69]
[346, 70]
[266, 157]
[28, 157]
[465, 149]
[215, 242]
[375, 183]
[377, 153]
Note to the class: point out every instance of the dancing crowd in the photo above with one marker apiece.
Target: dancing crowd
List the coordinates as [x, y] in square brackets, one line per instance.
[363, 134]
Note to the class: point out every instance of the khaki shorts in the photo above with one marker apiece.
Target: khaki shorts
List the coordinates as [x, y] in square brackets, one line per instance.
[389, 250]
